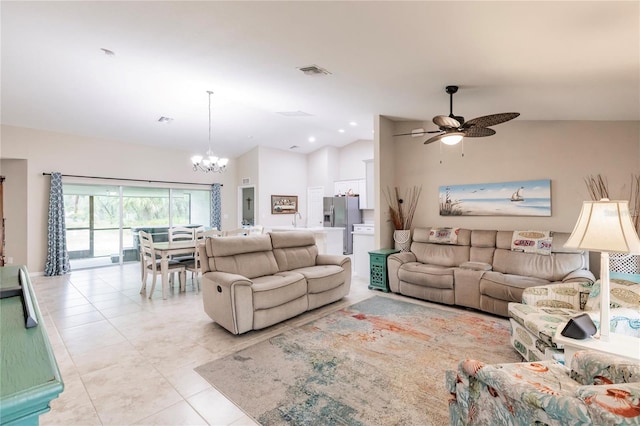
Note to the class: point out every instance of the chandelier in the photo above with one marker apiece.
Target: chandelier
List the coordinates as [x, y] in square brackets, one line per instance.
[209, 163]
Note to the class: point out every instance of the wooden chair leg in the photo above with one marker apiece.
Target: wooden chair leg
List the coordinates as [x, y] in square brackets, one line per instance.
[183, 280]
[153, 285]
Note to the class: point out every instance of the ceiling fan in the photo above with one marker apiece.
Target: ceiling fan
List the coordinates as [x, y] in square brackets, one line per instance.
[452, 128]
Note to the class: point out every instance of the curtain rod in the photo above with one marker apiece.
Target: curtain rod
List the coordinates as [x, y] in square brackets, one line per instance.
[132, 180]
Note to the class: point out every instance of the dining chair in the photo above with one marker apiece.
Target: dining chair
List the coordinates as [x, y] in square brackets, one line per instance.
[195, 267]
[182, 233]
[151, 264]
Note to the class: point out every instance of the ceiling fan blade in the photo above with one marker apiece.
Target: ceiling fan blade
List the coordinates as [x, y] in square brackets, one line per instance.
[478, 132]
[435, 138]
[490, 120]
[411, 134]
[444, 121]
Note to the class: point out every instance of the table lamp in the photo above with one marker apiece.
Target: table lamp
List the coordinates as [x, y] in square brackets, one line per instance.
[605, 226]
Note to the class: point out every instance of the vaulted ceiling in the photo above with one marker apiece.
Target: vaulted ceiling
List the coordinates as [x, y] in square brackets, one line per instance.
[547, 60]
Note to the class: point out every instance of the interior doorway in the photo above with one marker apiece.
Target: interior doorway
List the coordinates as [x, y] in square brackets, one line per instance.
[247, 205]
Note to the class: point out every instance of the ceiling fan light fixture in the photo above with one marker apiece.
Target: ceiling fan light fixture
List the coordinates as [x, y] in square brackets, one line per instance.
[452, 138]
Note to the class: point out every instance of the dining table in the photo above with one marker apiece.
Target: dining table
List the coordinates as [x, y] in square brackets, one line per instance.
[168, 249]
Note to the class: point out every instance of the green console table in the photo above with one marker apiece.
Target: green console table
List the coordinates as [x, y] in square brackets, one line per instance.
[378, 278]
[29, 375]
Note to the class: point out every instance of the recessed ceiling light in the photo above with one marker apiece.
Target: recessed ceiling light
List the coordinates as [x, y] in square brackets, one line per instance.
[108, 52]
[353, 123]
[312, 139]
[341, 130]
[164, 119]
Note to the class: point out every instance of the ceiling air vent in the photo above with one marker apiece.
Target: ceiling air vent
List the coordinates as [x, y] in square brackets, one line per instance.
[314, 70]
[295, 114]
[164, 119]
[294, 147]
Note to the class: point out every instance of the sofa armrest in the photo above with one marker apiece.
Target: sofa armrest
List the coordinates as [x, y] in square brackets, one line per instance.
[333, 259]
[615, 404]
[516, 393]
[569, 295]
[597, 368]
[228, 280]
[394, 262]
[579, 276]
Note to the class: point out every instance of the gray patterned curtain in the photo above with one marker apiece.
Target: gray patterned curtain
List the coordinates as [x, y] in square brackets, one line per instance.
[57, 255]
[216, 210]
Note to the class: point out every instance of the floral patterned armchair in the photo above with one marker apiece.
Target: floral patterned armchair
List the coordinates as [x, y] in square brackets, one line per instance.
[544, 308]
[599, 389]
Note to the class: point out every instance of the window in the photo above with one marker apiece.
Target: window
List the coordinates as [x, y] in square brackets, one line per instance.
[100, 232]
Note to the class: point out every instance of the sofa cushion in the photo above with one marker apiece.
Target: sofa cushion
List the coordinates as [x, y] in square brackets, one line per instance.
[551, 268]
[322, 277]
[440, 254]
[250, 256]
[275, 290]
[426, 275]
[294, 249]
[507, 287]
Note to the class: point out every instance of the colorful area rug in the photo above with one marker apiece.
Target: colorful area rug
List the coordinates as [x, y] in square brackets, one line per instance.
[378, 362]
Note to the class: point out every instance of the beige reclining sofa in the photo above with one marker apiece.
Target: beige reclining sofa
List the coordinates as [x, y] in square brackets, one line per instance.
[480, 270]
[252, 282]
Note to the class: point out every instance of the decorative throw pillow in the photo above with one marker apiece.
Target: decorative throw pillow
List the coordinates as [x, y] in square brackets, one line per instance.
[538, 242]
[444, 235]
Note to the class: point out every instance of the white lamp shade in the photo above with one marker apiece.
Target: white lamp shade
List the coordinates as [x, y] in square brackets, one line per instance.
[196, 159]
[605, 226]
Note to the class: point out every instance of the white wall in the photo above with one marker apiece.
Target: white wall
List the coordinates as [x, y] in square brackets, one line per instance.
[281, 173]
[564, 151]
[76, 155]
[351, 159]
[323, 168]
[15, 208]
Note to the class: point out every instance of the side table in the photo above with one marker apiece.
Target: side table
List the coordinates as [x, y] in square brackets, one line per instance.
[378, 278]
[618, 344]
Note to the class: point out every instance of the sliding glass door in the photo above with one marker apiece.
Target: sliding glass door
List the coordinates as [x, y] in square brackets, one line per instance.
[102, 221]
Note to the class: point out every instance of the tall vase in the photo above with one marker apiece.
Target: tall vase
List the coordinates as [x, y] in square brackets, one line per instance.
[402, 238]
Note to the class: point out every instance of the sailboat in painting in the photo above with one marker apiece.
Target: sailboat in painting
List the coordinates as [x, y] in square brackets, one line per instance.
[517, 196]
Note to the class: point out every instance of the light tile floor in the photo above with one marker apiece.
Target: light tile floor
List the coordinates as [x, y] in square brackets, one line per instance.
[125, 359]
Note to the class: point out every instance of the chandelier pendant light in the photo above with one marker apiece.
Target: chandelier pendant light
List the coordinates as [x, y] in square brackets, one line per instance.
[209, 163]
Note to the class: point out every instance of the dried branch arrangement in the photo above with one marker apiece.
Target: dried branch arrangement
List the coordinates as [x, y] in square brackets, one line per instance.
[402, 210]
[598, 187]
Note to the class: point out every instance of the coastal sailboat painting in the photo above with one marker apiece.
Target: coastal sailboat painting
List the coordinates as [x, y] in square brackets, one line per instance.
[518, 198]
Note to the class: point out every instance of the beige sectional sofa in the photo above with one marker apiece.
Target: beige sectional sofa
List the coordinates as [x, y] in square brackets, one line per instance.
[480, 270]
[252, 282]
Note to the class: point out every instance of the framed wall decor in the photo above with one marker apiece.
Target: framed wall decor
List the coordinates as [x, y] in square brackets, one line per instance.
[284, 204]
[517, 198]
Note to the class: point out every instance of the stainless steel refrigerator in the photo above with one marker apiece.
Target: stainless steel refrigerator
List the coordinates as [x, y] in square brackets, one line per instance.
[343, 212]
